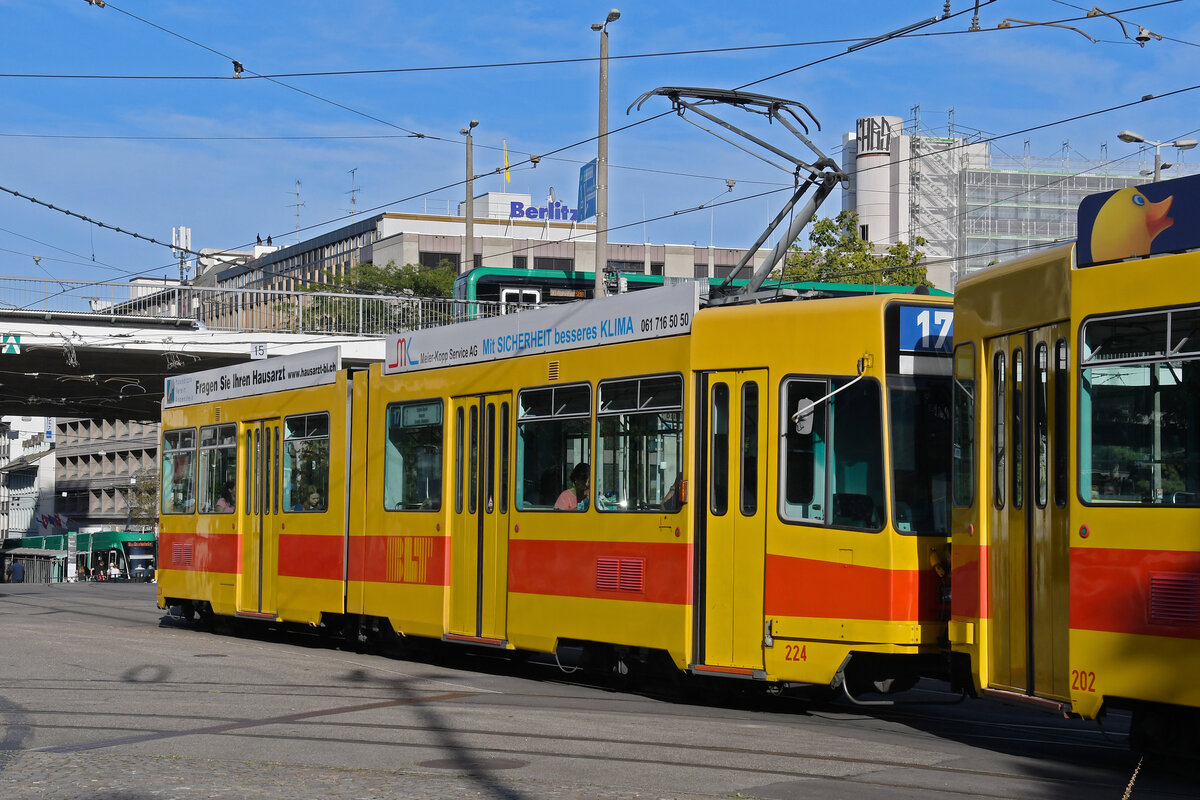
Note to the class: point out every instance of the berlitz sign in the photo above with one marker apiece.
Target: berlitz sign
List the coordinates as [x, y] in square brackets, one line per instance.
[554, 211]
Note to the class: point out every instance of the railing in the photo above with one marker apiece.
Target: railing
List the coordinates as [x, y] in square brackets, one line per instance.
[251, 310]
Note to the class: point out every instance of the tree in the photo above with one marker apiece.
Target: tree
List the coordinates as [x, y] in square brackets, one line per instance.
[839, 255]
[400, 305]
[367, 278]
[142, 498]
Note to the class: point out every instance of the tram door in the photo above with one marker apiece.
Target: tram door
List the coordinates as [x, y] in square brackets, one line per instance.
[733, 549]
[479, 533]
[1029, 525]
[260, 518]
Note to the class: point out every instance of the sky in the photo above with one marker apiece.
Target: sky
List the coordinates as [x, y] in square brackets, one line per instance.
[128, 113]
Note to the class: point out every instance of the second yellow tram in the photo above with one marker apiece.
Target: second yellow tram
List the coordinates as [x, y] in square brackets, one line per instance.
[1076, 559]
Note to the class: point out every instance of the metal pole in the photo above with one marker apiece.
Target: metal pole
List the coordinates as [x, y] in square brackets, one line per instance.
[1157, 162]
[470, 232]
[602, 170]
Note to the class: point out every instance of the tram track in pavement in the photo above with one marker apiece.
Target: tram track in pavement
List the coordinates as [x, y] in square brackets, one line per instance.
[372, 683]
[701, 757]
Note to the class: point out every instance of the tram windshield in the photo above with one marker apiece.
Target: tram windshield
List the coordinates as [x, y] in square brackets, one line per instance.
[920, 381]
[1139, 437]
[921, 453]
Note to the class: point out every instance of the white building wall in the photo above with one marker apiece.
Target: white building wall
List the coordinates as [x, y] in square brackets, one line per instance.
[874, 176]
[28, 490]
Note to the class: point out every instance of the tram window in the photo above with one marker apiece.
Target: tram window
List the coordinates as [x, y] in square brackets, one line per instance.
[1041, 421]
[275, 473]
[489, 460]
[1017, 435]
[459, 442]
[639, 424]
[258, 470]
[553, 436]
[856, 459]
[718, 443]
[1185, 332]
[832, 453]
[1138, 427]
[248, 476]
[305, 463]
[218, 469]
[1060, 426]
[504, 458]
[963, 427]
[473, 460]
[749, 499]
[412, 465]
[803, 446]
[178, 480]
[998, 425]
[919, 408]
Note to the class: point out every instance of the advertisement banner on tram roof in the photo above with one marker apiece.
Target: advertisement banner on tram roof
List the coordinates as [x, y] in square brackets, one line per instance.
[647, 314]
[314, 368]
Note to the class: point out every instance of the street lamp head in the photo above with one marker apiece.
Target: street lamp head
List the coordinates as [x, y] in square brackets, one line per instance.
[474, 123]
[1184, 144]
[613, 16]
[1130, 136]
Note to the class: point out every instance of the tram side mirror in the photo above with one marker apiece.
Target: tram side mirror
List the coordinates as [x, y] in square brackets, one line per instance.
[804, 417]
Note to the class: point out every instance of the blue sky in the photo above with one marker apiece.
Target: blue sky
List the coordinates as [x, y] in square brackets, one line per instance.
[223, 156]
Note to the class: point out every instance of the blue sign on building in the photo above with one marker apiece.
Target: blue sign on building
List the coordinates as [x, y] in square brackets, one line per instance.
[587, 191]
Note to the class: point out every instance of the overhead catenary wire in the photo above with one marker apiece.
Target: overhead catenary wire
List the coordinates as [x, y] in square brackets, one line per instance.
[426, 193]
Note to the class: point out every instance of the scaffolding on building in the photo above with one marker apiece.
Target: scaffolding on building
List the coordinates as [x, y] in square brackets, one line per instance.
[975, 206]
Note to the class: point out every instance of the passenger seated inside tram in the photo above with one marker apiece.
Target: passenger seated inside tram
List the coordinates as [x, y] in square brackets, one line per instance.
[312, 501]
[225, 500]
[674, 498]
[575, 498]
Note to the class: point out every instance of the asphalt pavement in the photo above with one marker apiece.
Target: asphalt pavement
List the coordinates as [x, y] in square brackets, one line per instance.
[103, 696]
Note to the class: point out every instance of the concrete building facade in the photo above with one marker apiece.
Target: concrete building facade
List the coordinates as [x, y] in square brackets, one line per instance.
[99, 466]
[972, 205]
[510, 231]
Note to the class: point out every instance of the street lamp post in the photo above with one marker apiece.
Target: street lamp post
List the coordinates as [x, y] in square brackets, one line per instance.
[469, 255]
[1182, 144]
[602, 158]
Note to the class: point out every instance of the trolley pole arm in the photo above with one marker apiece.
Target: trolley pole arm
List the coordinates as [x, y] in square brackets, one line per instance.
[823, 174]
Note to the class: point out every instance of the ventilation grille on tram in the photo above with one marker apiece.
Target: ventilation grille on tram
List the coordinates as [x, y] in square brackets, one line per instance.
[1174, 597]
[553, 370]
[621, 574]
[181, 555]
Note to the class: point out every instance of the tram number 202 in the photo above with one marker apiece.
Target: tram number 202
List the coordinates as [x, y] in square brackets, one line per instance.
[795, 652]
[1083, 681]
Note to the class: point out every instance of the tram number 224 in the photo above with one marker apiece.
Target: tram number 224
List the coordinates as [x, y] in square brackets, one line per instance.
[795, 652]
[1083, 681]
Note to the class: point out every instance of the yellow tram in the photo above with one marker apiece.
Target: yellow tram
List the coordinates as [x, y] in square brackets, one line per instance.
[755, 492]
[1076, 559]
